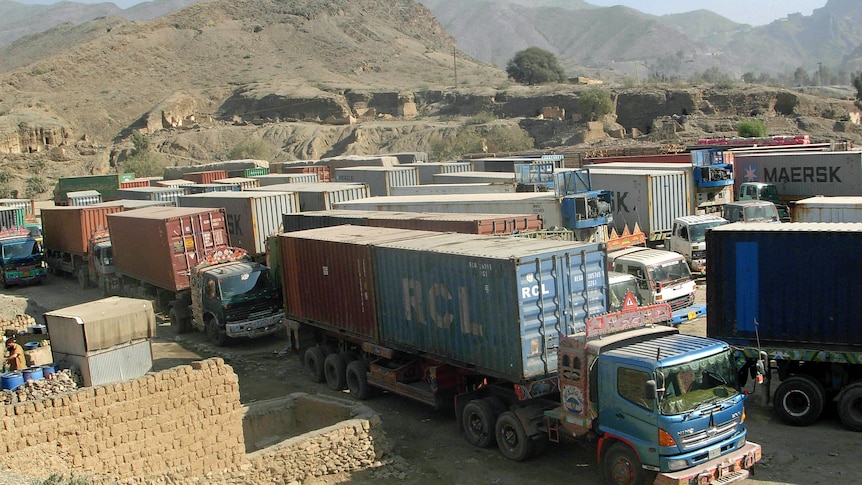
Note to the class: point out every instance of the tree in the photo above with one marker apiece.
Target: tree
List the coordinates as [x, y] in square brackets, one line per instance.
[535, 66]
[857, 83]
[800, 77]
[594, 103]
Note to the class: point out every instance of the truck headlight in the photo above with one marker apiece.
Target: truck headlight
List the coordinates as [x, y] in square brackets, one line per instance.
[674, 465]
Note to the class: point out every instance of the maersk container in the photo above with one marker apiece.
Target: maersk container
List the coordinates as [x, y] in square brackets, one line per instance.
[328, 277]
[11, 217]
[488, 224]
[544, 204]
[828, 209]
[785, 285]
[251, 216]
[428, 170]
[450, 189]
[379, 180]
[244, 183]
[495, 305]
[163, 194]
[474, 178]
[205, 177]
[26, 204]
[83, 197]
[288, 178]
[798, 175]
[320, 196]
[650, 198]
[161, 245]
[69, 229]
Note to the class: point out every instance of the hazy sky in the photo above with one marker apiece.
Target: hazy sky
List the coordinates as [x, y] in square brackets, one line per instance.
[754, 12]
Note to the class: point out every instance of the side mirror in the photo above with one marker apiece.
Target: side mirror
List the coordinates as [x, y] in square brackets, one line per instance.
[650, 389]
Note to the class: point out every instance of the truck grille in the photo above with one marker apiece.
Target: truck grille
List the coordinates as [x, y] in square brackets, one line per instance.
[681, 302]
[708, 435]
[698, 254]
[251, 311]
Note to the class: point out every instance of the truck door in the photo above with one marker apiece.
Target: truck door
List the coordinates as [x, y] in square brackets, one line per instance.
[625, 410]
[640, 275]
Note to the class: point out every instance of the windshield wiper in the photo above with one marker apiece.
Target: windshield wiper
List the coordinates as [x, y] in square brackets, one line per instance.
[718, 377]
[705, 404]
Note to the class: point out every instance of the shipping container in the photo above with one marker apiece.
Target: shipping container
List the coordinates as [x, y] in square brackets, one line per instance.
[163, 194]
[26, 204]
[119, 363]
[785, 285]
[173, 183]
[205, 188]
[828, 209]
[410, 157]
[489, 224]
[649, 198]
[177, 172]
[136, 182]
[206, 177]
[474, 178]
[243, 182]
[428, 170]
[544, 204]
[131, 204]
[288, 178]
[324, 174]
[83, 197]
[100, 324]
[321, 196]
[152, 180]
[251, 216]
[68, 229]
[379, 180]
[106, 185]
[508, 165]
[451, 189]
[11, 217]
[358, 161]
[248, 172]
[798, 175]
[160, 245]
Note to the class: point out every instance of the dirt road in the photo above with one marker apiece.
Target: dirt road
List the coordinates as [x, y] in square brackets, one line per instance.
[429, 448]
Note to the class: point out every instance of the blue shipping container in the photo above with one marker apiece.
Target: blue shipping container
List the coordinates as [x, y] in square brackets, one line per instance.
[493, 304]
[787, 285]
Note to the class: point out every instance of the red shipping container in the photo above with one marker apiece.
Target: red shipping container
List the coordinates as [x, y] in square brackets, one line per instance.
[161, 245]
[486, 224]
[69, 228]
[135, 183]
[205, 177]
[672, 158]
[324, 174]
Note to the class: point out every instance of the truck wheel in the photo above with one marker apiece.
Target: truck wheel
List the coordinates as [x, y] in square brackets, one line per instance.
[622, 467]
[850, 407]
[178, 323]
[512, 440]
[479, 418]
[334, 368]
[357, 380]
[314, 359]
[798, 401]
[217, 335]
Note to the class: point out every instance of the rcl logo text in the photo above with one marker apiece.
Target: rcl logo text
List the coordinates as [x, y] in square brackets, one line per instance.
[435, 306]
[533, 291]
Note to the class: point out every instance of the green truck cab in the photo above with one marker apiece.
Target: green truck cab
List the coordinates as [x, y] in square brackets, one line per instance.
[767, 192]
[22, 258]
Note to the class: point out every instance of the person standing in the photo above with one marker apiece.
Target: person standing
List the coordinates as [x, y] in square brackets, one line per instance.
[15, 360]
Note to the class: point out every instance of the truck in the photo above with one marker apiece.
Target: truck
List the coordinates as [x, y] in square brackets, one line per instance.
[688, 237]
[768, 298]
[21, 257]
[767, 192]
[512, 335]
[182, 258]
[107, 185]
[828, 209]
[751, 211]
[70, 235]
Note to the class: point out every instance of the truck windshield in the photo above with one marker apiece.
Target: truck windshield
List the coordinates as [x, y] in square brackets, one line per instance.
[617, 291]
[769, 192]
[765, 213]
[245, 284]
[670, 272]
[698, 231]
[19, 249]
[687, 386]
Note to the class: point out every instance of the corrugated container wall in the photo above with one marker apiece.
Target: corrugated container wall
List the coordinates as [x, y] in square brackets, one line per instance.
[119, 363]
[129, 204]
[26, 204]
[251, 216]
[324, 174]
[137, 182]
[428, 170]
[321, 196]
[489, 224]
[288, 178]
[100, 324]
[248, 172]
[798, 175]
[206, 188]
[474, 178]
[828, 209]
[173, 183]
[794, 285]
[497, 305]
[206, 177]
[160, 245]
[379, 179]
[243, 182]
[83, 197]
[450, 189]
[69, 229]
[11, 217]
[163, 194]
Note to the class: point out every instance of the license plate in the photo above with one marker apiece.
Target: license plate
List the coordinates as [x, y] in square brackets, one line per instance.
[692, 315]
[714, 453]
[25, 274]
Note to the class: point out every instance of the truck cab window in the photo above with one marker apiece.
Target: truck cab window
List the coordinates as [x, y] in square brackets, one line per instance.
[630, 386]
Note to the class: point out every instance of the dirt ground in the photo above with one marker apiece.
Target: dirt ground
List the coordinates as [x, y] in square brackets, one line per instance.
[426, 444]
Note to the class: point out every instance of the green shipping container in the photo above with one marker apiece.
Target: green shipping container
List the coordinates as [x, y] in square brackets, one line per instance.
[11, 217]
[248, 172]
[107, 185]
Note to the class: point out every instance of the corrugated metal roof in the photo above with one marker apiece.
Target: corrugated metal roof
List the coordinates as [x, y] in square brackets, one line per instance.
[163, 212]
[666, 348]
[489, 247]
[698, 219]
[821, 201]
[466, 198]
[791, 227]
[310, 187]
[358, 234]
[616, 171]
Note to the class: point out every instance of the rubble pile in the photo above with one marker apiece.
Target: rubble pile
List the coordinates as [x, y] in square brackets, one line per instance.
[17, 324]
[59, 382]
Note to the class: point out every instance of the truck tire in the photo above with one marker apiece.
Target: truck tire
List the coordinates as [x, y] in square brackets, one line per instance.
[313, 360]
[850, 407]
[178, 323]
[335, 370]
[798, 401]
[621, 466]
[512, 439]
[217, 335]
[357, 380]
[479, 420]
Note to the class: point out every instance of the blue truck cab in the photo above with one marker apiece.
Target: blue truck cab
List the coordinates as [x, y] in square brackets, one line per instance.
[21, 257]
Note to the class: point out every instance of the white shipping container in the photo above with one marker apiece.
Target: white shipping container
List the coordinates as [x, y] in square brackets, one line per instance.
[321, 196]
[84, 197]
[448, 189]
[26, 204]
[379, 179]
[287, 178]
[173, 183]
[474, 178]
[244, 182]
[652, 199]
[251, 216]
[119, 363]
[828, 209]
[542, 203]
[163, 194]
[428, 170]
[100, 324]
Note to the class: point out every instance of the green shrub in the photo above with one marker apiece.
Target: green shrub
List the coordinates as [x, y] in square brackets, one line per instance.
[144, 164]
[535, 66]
[751, 128]
[476, 140]
[508, 139]
[481, 118]
[595, 103]
[35, 186]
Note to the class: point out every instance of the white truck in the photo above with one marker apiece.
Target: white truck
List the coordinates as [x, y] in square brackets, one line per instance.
[688, 237]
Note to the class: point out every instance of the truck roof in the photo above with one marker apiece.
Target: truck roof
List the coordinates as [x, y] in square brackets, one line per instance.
[643, 255]
[700, 219]
[749, 202]
[231, 268]
[659, 349]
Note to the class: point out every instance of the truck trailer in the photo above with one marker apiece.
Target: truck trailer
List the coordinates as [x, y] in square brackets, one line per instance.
[513, 336]
[788, 297]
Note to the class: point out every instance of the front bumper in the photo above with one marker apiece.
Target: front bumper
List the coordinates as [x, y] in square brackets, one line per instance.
[256, 328]
[724, 469]
[688, 313]
[23, 276]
